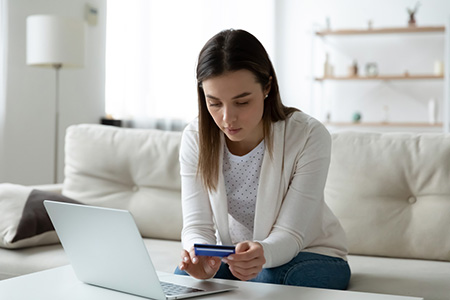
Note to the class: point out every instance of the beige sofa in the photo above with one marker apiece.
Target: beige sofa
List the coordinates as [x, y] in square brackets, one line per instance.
[391, 193]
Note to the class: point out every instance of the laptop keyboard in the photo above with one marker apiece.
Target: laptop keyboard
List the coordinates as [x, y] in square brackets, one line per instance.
[171, 289]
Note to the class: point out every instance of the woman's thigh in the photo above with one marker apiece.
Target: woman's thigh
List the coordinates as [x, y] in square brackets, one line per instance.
[310, 270]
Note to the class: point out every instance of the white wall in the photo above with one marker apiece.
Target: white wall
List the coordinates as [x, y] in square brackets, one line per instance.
[28, 141]
[407, 101]
[28, 144]
[3, 49]
[158, 38]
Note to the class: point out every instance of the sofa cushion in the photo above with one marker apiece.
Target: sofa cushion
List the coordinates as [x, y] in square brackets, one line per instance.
[391, 193]
[24, 221]
[395, 276]
[165, 257]
[132, 169]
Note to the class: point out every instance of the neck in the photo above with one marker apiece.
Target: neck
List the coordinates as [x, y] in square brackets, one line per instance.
[240, 148]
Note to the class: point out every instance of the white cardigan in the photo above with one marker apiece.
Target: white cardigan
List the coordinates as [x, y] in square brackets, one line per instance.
[291, 214]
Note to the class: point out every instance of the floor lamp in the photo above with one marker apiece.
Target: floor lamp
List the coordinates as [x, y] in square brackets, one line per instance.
[55, 42]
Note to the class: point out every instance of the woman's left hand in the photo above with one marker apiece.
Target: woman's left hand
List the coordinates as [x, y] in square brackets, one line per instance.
[248, 260]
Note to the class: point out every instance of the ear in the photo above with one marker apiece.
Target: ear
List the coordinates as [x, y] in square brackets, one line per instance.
[268, 86]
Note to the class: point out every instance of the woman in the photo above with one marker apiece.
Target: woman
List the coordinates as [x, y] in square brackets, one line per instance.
[253, 173]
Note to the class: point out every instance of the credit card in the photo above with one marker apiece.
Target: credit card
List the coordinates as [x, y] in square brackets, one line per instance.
[213, 250]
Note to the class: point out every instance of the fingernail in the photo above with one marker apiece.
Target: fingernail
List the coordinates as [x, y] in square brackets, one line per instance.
[225, 260]
[212, 262]
[185, 259]
[230, 257]
[194, 260]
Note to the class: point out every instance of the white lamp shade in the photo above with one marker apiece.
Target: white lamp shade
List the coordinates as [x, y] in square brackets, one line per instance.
[54, 40]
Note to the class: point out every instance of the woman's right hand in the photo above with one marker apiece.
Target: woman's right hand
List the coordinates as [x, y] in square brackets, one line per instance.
[200, 267]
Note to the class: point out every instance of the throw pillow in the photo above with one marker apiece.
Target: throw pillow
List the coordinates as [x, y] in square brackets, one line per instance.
[24, 221]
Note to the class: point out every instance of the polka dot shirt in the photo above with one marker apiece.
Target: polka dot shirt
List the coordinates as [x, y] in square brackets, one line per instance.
[241, 174]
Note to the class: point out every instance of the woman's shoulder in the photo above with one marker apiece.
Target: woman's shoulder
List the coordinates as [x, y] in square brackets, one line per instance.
[192, 126]
[299, 120]
[189, 138]
[301, 131]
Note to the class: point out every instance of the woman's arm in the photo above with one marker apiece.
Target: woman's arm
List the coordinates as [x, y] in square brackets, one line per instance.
[300, 220]
[198, 226]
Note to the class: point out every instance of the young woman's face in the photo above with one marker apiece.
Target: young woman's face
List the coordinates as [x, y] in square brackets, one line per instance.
[235, 101]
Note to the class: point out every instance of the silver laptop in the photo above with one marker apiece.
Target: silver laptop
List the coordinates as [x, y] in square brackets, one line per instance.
[106, 249]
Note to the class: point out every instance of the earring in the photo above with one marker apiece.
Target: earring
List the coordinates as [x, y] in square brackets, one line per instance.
[266, 96]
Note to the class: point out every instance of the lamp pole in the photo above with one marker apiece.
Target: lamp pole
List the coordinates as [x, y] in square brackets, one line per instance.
[53, 42]
[55, 172]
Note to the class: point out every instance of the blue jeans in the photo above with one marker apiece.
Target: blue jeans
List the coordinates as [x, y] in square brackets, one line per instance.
[306, 269]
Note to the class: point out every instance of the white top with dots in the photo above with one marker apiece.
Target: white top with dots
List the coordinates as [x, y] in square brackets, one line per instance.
[241, 174]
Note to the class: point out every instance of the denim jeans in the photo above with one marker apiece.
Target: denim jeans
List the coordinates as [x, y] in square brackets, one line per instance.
[306, 269]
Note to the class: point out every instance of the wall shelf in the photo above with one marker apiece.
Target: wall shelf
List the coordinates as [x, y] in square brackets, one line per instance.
[388, 30]
[382, 124]
[382, 77]
[324, 106]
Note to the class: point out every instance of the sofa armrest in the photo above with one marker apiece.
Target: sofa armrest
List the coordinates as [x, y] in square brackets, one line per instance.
[55, 188]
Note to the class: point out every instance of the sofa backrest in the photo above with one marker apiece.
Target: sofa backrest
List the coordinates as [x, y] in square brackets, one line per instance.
[391, 193]
[133, 169]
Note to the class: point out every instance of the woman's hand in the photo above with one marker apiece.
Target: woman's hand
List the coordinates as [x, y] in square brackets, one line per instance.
[248, 260]
[200, 267]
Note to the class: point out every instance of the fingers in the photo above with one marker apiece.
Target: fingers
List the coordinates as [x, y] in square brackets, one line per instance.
[247, 251]
[187, 258]
[246, 270]
[248, 260]
[184, 260]
[213, 264]
[245, 274]
[243, 247]
[201, 267]
[245, 264]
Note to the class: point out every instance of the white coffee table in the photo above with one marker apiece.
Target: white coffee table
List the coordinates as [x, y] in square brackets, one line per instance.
[62, 284]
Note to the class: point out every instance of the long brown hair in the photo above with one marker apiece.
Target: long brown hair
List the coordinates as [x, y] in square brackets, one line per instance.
[227, 51]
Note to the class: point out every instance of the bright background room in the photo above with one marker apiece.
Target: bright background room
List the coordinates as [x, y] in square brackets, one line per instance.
[151, 59]
[140, 68]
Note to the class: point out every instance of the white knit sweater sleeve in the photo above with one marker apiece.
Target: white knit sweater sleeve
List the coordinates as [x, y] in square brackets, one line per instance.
[198, 226]
[301, 215]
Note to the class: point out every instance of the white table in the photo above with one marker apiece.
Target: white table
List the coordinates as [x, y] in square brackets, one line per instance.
[62, 284]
